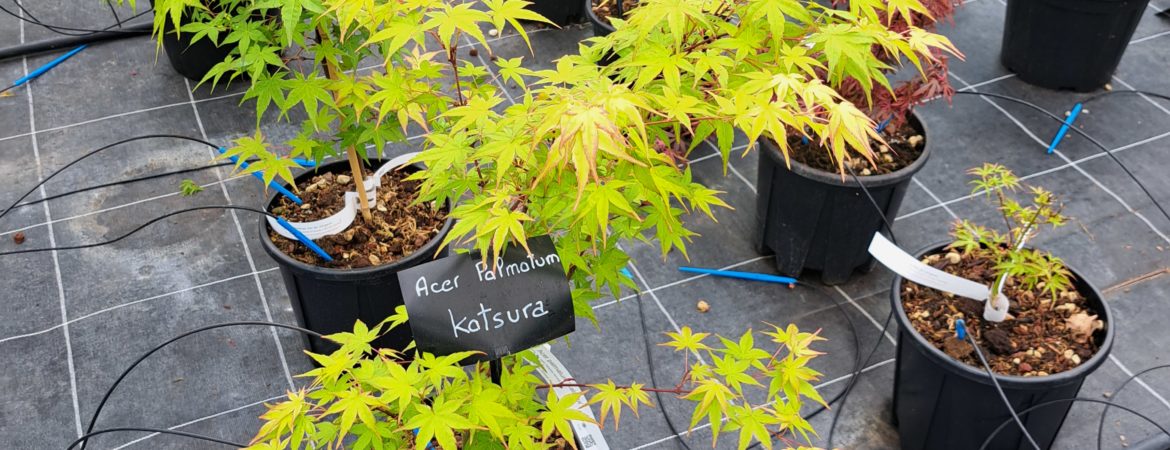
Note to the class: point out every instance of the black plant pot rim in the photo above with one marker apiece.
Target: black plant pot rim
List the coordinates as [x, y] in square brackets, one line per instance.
[1006, 381]
[597, 20]
[834, 179]
[365, 273]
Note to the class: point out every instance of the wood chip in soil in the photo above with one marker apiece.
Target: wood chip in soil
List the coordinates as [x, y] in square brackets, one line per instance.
[1036, 340]
[397, 230]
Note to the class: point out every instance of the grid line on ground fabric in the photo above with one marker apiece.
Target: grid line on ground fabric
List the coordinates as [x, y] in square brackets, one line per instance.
[201, 419]
[937, 201]
[1139, 381]
[867, 315]
[1150, 37]
[1142, 95]
[244, 243]
[123, 114]
[52, 240]
[131, 303]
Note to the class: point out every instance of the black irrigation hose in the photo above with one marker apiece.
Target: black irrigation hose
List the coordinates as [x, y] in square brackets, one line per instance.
[1084, 135]
[1101, 425]
[81, 440]
[137, 229]
[1125, 91]
[122, 182]
[653, 381]
[93, 152]
[93, 419]
[70, 31]
[1002, 396]
[857, 364]
[885, 220]
[1029, 409]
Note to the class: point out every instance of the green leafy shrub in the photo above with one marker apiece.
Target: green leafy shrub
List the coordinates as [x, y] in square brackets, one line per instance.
[381, 399]
[1030, 267]
[595, 155]
[308, 56]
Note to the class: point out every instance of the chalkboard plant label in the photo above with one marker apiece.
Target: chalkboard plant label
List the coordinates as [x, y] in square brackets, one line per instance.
[464, 302]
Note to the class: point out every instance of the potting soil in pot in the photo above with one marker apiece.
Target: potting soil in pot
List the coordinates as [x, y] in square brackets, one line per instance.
[604, 9]
[1041, 336]
[399, 227]
[903, 146]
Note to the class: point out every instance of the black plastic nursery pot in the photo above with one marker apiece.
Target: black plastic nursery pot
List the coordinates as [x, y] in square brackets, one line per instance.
[561, 12]
[812, 219]
[1068, 44]
[193, 60]
[329, 300]
[599, 27]
[941, 403]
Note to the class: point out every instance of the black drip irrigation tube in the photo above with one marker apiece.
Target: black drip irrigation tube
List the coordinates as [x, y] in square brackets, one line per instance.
[73, 37]
[63, 43]
[89, 431]
[17, 203]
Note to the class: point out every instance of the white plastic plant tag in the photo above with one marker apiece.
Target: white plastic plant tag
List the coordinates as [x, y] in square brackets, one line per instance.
[912, 269]
[588, 434]
[339, 222]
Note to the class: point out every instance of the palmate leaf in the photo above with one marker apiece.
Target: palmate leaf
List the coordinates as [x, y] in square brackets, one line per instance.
[486, 408]
[512, 12]
[611, 399]
[268, 163]
[352, 406]
[713, 399]
[752, 424]
[558, 415]
[848, 129]
[686, 340]
[906, 9]
[439, 422]
[674, 15]
[267, 89]
[309, 92]
[400, 385]
[459, 17]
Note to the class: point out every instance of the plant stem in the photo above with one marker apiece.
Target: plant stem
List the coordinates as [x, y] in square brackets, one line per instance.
[355, 162]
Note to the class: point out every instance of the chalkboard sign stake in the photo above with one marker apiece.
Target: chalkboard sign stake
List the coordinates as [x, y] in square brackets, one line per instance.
[496, 369]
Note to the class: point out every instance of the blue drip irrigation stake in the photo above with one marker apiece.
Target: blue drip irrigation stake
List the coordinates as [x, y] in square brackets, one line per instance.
[627, 273]
[740, 275]
[304, 162]
[1072, 116]
[882, 126]
[428, 443]
[304, 239]
[961, 330]
[45, 68]
[259, 176]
